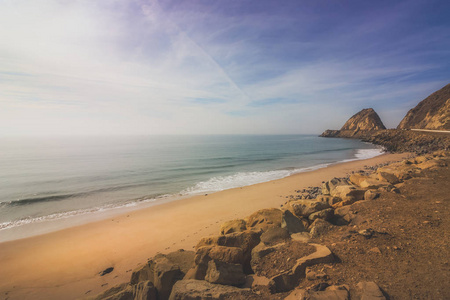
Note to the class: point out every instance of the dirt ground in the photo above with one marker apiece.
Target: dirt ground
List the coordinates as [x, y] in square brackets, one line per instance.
[405, 248]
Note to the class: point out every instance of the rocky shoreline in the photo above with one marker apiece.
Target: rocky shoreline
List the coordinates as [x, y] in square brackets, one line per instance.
[293, 252]
[394, 140]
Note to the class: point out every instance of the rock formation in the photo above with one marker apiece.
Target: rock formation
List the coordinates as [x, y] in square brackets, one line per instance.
[366, 119]
[431, 113]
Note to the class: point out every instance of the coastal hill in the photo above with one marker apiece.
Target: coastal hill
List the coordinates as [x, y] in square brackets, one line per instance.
[367, 120]
[431, 113]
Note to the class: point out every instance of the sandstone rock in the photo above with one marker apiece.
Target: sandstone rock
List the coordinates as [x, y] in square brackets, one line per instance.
[344, 215]
[368, 290]
[237, 225]
[421, 159]
[206, 253]
[200, 289]
[225, 273]
[329, 186]
[373, 184]
[181, 258]
[348, 192]
[303, 237]
[371, 195]
[275, 235]
[291, 222]
[245, 240]
[431, 164]
[252, 281]
[328, 199]
[303, 208]
[165, 276]
[331, 292]
[288, 280]
[388, 177]
[313, 275]
[326, 214]
[142, 291]
[233, 255]
[356, 179]
[264, 219]
[319, 227]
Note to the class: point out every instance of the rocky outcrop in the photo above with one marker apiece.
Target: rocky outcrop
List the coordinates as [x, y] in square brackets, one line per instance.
[200, 289]
[431, 113]
[366, 119]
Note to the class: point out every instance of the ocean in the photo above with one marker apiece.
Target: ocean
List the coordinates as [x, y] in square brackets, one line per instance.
[44, 180]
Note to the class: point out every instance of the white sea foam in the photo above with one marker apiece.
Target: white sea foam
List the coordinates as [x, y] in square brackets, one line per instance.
[69, 214]
[220, 183]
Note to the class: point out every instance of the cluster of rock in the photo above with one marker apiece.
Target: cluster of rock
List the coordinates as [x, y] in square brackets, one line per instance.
[271, 250]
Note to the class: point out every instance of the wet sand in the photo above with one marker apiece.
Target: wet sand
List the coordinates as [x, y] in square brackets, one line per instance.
[66, 264]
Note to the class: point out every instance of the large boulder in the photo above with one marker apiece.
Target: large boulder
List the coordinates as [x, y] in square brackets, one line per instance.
[181, 258]
[142, 291]
[225, 273]
[319, 227]
[368, 290]
[335, 292]
[264, 219]
[328, 199]
[245, 240]
[200, 289]
[303, 208]
[329, 186]
[207, 253]
[388, 177]
[346, 192]
[326, 214]
[275, 235]
[165, 276]
[231, 226]
[292, 223]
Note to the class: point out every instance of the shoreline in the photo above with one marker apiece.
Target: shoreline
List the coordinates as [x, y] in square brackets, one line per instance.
[52, 223]
[66, 263]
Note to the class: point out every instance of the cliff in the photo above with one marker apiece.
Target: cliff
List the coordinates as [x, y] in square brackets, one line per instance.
[431, 113]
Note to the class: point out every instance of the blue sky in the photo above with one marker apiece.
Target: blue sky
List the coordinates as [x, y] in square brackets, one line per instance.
[215, 67]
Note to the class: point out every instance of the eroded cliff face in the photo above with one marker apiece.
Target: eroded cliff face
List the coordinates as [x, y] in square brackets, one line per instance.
[366, 119]
[431, 113]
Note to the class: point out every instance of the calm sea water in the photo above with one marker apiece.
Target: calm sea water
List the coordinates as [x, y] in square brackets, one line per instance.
[48, 179]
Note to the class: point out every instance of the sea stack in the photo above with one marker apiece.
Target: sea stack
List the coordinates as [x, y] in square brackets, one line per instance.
[366, 120]
[431, 113]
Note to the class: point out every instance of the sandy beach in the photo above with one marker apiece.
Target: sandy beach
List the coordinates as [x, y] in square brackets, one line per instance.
[66, 264]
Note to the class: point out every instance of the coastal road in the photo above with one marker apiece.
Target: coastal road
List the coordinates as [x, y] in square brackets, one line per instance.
[429, 130]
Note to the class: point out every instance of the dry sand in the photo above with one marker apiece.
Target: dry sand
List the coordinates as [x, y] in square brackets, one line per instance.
[66, 264]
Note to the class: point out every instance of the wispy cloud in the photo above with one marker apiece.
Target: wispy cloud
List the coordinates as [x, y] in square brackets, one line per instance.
[214, 67]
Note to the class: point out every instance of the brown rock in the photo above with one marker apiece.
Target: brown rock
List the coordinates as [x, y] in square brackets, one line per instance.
[237, 225]
[142, 291]
[275, 235]
[264, 219]
[303, 208]
[326, 214]
[225, 273]
[165, 276]
[328, 199]
[292, 223]
[371, 195]
[366, 119]
[319, 227]
[388, 177]
[200, 289]
[329, 186]
[369, 290]
[245, 240]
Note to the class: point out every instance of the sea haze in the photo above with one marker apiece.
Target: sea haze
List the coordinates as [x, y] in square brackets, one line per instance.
[45, 179]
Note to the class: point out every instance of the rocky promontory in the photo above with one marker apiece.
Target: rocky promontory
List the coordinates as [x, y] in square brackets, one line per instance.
[361, 123]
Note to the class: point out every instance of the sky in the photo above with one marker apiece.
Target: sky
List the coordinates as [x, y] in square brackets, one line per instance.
[132, 67]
